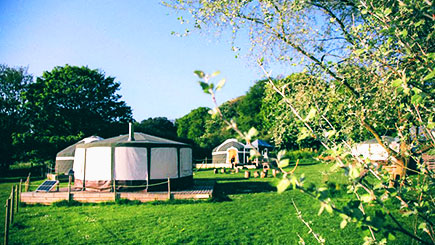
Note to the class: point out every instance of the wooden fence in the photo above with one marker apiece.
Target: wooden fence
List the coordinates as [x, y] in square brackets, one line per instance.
[12, 207]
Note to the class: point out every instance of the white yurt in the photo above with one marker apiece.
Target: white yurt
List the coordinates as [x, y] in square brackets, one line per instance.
[373, 151]
[133, 160]
[231, 151]
[65, 157]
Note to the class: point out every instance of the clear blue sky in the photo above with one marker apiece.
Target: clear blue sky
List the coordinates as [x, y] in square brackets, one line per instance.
[129, 40]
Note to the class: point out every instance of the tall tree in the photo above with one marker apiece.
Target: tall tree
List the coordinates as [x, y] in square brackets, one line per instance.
[68, 103]
[13, 82]
[216, 130]
[250, 108]
[192, 127]
[158, 126]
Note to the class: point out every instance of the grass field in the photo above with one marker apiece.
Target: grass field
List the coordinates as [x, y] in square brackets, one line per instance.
[245, 211]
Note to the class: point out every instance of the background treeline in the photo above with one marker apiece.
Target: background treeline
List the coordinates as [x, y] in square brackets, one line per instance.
[41, 116]
[258, 108]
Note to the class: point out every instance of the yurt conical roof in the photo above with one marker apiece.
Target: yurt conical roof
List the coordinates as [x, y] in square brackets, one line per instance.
[69, 151]
[139, 138]
[229, 143]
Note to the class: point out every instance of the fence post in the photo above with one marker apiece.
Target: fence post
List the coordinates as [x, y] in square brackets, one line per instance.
[11, 207]
[7, 214]
[69, 188]
[19, 193]
[169, 188]
[114, 189]
[26, 185]
[16, 198]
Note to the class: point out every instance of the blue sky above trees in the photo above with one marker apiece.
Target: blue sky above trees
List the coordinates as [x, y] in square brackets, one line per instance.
[131, 41]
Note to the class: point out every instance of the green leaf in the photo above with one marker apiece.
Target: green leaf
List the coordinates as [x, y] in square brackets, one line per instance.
[199, 73]
[366, 198]
[416, 98]
[252, 132]
[421, 22]
[283, 185]
[213, 112]
[397, 83]
[431, 56]
[429, 76]
[220, 84]
[422, 226]
[303, 134]
[260, 61]
[354, 173]
[215, 73]
[328, 208]
[330, 133]
[387, 11]
[311, 114]
[283, 163]
[322, 207]
[205, 87]
[343, 224]
[281, 154]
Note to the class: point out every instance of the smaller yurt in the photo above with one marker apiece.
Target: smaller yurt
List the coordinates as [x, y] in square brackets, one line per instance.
[231, 151]
[133, 161]
[373, 151]
[65, 157]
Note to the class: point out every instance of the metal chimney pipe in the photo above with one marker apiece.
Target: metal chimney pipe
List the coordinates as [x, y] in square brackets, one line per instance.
[130, 132]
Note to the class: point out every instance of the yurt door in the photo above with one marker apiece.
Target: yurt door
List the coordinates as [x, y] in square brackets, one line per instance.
[232, 156]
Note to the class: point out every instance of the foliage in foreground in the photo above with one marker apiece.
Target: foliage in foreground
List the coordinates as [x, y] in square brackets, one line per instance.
[374, 62]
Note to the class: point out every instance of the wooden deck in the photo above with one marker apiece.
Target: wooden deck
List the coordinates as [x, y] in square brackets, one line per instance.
[47, 198]
[213, 165]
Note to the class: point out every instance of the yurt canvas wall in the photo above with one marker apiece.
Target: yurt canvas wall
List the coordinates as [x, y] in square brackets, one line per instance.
[145, 162]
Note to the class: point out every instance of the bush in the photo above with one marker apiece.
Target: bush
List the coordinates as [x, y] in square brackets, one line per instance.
[306, 153]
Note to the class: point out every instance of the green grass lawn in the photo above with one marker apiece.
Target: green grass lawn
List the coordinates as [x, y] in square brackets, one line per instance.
[246, 211]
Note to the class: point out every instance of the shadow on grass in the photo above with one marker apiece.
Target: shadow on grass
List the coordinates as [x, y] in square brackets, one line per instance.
[218, 179]
[17, 179]
[222, 190]
[305, 163]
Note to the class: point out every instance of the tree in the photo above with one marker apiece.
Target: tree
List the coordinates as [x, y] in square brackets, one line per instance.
[13, 82]
[376, 59]
[158, 126]
[216, 131]
[192, 127]
[333, 42]
[67, 104]
[250, 108]
[284, 127]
